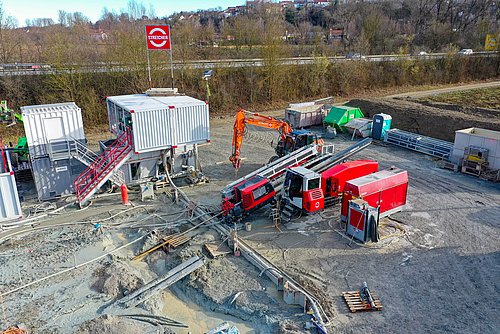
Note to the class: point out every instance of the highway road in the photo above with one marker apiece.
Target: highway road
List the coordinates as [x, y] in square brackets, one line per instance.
[30, 69]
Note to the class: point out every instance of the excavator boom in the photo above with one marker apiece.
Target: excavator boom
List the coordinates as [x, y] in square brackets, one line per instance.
[242, 119]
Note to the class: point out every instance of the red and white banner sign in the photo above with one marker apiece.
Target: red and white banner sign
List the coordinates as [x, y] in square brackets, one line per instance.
[158, 37]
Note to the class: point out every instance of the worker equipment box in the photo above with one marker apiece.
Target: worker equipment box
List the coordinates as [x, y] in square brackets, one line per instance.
[385, 190]
[360, 127]
[482, 138]
[50, 129]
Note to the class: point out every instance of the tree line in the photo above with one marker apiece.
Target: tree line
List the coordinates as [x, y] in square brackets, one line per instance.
[117, 40]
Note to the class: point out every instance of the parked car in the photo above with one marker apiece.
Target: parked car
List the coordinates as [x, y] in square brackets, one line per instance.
[355, 56]
[465, 52]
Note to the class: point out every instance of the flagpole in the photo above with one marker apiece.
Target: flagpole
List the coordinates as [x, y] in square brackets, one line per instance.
[171, 59]
[149, 71]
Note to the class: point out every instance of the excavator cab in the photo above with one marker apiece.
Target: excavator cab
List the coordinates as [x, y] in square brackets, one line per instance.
[302, 189]
[295, 140]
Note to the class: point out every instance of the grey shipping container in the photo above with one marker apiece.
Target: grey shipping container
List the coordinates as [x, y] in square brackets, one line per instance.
[10, 206]
[160, 122]
[55, 178]
[304, 115]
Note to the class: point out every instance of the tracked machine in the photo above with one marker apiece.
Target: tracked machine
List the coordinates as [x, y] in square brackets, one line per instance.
[296, 181]
[290, 139]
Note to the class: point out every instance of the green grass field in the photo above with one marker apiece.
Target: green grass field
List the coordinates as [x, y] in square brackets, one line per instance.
[481, 98]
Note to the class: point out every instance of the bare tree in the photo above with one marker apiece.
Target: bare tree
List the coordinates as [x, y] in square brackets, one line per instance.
[136, 10]
[8, 39]
[62, 17]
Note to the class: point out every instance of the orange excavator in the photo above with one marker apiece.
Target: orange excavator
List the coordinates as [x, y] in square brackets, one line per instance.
[290, 140]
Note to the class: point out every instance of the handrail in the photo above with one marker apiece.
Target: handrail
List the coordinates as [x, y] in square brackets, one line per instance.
[87, 156]
[104, 164]
[82, 149]
[107, 158]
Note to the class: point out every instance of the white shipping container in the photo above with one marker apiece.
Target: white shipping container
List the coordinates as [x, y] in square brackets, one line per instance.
[160, 122]
[48, 123]
[10, 207]
[483, 138]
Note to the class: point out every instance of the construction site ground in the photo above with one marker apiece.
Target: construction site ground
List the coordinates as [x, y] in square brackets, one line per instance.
[435, 270]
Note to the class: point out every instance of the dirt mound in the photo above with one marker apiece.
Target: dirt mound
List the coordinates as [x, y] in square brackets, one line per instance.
[116, 280]
[110, 325]
[440, 123]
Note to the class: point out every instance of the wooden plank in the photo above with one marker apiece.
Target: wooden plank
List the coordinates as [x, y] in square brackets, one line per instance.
[215, 250]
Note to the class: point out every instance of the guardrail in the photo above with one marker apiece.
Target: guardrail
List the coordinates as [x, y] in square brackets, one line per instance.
[223, 63]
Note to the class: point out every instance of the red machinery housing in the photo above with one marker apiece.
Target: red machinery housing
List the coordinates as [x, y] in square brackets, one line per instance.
[333, 180]
[253, 193]
[307, 190]
[385, 190]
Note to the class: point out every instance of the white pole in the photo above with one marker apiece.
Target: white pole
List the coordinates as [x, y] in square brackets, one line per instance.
[149, 71]
[172, 69]
[171, 59]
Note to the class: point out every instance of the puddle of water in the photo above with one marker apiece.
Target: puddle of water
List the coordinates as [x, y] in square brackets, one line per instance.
[198, 319]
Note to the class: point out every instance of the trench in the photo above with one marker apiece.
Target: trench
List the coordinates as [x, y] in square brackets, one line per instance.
[178, 306]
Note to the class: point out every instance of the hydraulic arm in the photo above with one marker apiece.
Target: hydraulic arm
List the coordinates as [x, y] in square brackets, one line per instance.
[242, 119]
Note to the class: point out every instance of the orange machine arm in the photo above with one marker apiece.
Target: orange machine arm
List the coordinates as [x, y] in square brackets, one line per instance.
[244, 117]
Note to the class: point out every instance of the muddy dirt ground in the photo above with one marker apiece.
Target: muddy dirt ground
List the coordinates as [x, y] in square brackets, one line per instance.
[434, 119]
[436, 270]
[449, 251]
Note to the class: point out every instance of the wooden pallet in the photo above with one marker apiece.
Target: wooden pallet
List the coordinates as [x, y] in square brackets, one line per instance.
[167, 244]
[171, 243]
[356, 304]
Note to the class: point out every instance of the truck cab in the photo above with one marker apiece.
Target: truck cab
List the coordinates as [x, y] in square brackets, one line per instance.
[302, 189]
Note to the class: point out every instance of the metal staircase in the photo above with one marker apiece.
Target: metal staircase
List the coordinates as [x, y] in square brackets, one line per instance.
[103, 167]
[287, 211]
[86, 156]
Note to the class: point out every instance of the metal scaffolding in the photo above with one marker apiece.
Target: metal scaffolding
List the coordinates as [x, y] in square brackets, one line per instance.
[413, 141]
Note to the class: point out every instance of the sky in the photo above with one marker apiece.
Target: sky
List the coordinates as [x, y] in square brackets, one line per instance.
[29, 9]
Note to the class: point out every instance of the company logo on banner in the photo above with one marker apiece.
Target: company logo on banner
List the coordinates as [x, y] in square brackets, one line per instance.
[158, 37]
